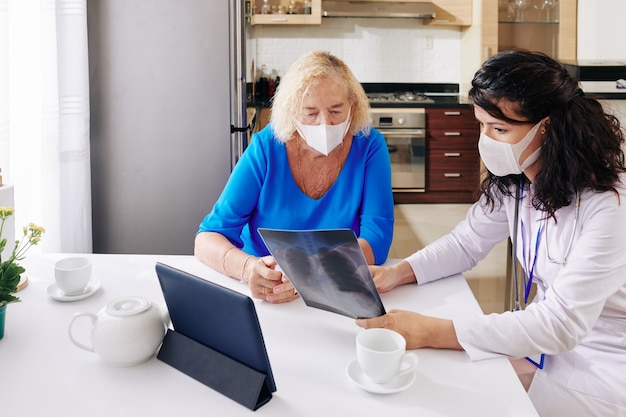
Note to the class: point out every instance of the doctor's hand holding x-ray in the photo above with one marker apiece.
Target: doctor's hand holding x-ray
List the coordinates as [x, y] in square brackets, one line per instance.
[555, 186]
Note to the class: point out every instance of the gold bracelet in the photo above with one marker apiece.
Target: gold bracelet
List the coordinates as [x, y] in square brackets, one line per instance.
[224, 260]
[243, 269]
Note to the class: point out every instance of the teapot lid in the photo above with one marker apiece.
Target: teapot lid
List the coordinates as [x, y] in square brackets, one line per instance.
[127, 306]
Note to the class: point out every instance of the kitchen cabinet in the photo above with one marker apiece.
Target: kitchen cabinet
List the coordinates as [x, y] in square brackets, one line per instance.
[451, 13]
[315, 18]
[492, 31]
[453, 162]
[478, 41]
[542, 25]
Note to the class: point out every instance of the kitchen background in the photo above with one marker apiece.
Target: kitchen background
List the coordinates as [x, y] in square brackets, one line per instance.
[376, 49]
[407, 50]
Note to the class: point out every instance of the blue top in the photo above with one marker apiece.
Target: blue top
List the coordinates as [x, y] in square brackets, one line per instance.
[261, 192]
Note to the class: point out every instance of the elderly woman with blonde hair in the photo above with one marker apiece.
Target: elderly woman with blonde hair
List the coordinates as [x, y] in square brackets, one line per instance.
[318, 164]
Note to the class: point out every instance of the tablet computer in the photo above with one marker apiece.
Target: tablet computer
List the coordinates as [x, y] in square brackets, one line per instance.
[215, 316]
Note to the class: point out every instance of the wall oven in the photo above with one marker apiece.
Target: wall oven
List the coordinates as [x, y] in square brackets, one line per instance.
[404, 130]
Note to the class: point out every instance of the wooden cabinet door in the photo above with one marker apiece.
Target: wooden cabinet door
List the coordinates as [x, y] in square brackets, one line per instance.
[453, 162]
[451, 13]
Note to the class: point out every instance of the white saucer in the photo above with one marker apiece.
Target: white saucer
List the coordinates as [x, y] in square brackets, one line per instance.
[400, 383]
[55, 292]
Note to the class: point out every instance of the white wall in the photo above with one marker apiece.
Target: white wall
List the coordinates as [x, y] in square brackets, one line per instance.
[602, 29]
[377, 50]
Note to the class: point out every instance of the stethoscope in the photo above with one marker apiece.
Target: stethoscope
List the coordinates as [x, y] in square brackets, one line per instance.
[571, 238]
[558, 260]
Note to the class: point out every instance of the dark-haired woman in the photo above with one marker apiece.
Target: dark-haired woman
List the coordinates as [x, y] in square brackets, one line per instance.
[555, 186]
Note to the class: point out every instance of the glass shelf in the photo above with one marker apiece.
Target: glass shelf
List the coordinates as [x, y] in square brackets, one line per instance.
[517, 22]
[528, 11]
[284, 18]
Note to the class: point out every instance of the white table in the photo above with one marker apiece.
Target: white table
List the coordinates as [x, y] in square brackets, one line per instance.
[43, 373]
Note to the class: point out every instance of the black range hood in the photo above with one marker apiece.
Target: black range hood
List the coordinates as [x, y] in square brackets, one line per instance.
[422, 10]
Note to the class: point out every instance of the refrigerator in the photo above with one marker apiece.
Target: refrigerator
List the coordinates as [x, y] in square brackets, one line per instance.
[168, 116]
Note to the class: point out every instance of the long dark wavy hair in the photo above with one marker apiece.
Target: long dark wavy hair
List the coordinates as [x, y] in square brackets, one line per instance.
[582, 146]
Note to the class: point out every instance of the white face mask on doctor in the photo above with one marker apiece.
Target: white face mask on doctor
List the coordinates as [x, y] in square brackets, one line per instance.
[503, 158]
[324, 138]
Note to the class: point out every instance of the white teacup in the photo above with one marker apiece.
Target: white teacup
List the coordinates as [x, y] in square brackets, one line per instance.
[382, 355]
[72, 274]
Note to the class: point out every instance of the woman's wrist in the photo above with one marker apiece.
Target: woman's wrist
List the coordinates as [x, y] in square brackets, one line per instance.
[232, 258]
[443, 334]
[404, 273]
[224, 263]
[243, 269]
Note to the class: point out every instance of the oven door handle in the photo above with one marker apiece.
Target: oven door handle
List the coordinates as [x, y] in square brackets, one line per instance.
[404, 133]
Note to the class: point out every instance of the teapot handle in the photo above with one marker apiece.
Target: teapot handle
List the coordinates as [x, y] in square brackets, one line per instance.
[93, 319]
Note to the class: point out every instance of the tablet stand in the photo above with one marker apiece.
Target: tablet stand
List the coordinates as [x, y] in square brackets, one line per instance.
[229, 377]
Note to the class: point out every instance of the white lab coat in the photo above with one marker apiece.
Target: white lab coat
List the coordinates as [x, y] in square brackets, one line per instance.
[579, 315]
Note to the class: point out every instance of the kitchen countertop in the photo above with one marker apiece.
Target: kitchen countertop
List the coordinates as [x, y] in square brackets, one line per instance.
[442, 94]
[439, 102]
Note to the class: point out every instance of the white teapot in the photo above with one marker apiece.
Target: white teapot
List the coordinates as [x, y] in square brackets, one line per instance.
[126, 332]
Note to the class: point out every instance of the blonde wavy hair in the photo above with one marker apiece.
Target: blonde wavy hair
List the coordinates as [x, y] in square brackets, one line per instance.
[305, 72]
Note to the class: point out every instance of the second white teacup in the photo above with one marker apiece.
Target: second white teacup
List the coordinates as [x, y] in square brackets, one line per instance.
[72, 274]
[382, 355]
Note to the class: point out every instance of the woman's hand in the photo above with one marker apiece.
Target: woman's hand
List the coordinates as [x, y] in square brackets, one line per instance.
[383, 278]
[418, 330]
[387, 278]
[266, 282]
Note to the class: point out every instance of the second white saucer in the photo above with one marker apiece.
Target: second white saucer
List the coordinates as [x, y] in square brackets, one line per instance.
[400, 383]
[55, 292]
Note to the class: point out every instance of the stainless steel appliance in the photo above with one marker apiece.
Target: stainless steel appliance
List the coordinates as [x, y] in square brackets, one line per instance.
[604, 80]
[167, 118]
[404, 130]
[396, 114]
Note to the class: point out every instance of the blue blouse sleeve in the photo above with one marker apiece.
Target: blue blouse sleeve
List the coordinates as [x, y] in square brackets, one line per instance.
[377, 210]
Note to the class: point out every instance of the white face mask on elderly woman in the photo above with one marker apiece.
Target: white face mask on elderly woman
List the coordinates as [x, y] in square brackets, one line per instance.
[503, 158]
[324, 138]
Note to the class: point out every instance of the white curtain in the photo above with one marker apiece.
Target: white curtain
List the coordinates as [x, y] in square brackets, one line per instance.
[44, 118]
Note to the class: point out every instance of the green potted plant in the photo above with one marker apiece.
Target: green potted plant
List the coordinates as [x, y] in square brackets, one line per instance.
[10, 270]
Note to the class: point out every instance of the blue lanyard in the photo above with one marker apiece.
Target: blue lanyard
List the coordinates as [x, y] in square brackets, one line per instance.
[528, 272]
[537, 361]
